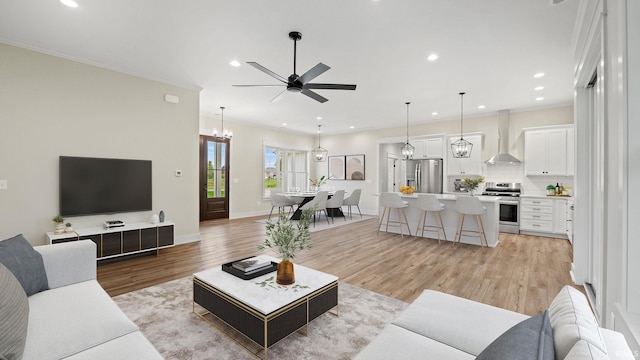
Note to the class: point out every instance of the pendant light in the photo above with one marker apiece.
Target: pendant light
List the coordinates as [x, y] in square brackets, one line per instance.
[226, 134]
[319, 154]
[407, 149]
[461, 148]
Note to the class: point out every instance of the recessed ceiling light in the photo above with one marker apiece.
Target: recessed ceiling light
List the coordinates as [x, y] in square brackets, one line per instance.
[432, 57]
[480, 106]
[70, 3]
[434, 113]
[284, 124]
[352, 127]
[538, 75]
[234, 63]
[319, 118]
[538, 88]
[539, 98]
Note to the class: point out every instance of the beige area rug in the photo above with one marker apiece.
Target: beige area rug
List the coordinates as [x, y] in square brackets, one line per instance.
[321, 223]
[164, 314]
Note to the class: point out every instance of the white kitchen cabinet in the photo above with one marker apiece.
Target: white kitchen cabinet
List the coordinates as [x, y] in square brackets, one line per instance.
[471, 166]
[571, 152]
[544, 216]
[429, 147]
[549, 151]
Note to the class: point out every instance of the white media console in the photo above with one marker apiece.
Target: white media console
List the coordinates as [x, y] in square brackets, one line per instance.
[125, 240]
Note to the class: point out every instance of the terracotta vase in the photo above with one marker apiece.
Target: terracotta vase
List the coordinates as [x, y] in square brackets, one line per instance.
[285, 275]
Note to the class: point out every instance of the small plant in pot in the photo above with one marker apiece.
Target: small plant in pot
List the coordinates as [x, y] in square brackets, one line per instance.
[551, 190]
[68, 228]
[287, 238]
[472, 183]
[58, 224]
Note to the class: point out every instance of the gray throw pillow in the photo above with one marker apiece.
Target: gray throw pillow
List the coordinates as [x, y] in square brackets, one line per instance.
[25, 263]
[529, 339]
[14, 312]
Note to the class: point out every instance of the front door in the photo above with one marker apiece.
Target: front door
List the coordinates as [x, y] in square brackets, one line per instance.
[214, 175]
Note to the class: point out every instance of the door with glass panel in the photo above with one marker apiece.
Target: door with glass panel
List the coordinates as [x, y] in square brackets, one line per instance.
[214, 175]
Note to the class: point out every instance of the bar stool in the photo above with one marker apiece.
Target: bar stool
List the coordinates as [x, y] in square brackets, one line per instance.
[469, 205]
[429, 203]
[391, 201]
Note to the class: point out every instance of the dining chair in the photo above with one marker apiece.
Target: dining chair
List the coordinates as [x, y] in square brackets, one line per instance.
[335, 203]
[281, 201]
[353, 200]
[319, 204]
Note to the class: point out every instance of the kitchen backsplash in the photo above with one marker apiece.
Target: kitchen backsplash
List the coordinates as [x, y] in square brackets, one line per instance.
[535, 185]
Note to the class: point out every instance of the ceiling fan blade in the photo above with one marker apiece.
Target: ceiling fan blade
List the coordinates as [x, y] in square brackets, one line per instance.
[313, 73]
[277, 85]
[279, 96]
[314, 95]
[330, 86]
[267, 71]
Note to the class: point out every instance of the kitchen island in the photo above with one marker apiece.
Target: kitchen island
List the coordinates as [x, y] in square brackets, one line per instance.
[450, 218]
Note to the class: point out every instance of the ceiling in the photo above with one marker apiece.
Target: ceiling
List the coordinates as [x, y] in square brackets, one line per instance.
[490, 49]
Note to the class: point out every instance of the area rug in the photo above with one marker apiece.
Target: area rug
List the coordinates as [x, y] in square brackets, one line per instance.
[321, 223]
[164, 314]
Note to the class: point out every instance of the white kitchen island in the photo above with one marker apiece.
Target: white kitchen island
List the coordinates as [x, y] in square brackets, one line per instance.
[450, 218]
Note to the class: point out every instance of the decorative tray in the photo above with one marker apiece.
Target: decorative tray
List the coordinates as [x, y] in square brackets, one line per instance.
[228, 267]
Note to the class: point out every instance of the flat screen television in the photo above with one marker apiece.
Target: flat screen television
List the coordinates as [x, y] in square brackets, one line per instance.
[91, 186]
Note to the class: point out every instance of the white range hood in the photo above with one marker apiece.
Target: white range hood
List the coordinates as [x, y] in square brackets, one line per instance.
[503, 157]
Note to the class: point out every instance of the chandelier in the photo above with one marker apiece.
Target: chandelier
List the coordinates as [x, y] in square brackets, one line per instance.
[461, 148]
[225, 134]
[407, 149]
[319, 154]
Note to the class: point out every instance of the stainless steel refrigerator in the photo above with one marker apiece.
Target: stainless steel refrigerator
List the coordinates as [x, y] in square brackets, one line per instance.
[425, 175]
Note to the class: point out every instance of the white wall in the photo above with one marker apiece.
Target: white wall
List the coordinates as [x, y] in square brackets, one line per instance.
[51, 106]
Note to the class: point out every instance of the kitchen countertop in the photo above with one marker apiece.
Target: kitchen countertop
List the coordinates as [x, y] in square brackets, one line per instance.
[448, 196]
[544, 196]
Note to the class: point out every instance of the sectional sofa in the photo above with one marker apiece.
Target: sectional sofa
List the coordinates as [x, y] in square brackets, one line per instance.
[69, 315]
[442, 326]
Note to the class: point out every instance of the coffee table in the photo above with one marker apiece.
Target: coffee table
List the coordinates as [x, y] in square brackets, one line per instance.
[260, 309]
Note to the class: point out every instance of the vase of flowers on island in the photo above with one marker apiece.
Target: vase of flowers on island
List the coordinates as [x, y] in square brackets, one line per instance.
[287, 238]
[316, 183]
[472, 183]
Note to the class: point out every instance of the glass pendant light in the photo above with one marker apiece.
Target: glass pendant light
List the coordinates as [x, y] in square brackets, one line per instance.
[461, 148]
[226, 134]
[319, 154]
[407, 149]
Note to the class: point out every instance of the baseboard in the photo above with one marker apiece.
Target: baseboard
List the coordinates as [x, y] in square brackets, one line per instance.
[185, 239]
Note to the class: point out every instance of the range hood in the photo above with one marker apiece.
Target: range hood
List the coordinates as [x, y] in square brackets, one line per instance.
[503, 157]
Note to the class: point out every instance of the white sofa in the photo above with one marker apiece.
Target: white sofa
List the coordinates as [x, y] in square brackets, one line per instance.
[76, 318]
[441, 326]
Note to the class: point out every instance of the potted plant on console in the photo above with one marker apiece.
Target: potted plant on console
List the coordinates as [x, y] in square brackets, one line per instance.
[287, 238]
[58, 224]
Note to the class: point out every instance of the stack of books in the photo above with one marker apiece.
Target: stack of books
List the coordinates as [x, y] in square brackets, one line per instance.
[252, 265]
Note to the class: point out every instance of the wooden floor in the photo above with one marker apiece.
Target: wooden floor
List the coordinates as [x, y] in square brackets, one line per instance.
[523, 273]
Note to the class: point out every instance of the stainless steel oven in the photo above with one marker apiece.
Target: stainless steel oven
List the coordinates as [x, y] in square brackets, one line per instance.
[509, 201]
[509, 215]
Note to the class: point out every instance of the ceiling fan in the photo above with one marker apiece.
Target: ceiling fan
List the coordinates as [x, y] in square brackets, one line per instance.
[300, 83]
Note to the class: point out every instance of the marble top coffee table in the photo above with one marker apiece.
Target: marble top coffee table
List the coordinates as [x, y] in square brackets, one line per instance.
[260, 309]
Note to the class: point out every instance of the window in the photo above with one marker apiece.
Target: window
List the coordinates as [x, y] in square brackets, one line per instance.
[216, 169]
[284, 169]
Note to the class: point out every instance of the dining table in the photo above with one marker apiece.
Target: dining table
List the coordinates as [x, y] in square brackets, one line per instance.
[303, 197]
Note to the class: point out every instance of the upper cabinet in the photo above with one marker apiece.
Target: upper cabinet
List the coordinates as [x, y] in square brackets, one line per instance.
[549, 151]
[428, 147]
[465, 166]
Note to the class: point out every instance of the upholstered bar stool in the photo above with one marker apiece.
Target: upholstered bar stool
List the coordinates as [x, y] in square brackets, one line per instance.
[469, 205]
[390, 201]
[428, 203]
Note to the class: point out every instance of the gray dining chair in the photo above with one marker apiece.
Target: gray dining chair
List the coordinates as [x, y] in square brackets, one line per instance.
[281, 201]
[335, 203]
[319, 204]
[353, 200]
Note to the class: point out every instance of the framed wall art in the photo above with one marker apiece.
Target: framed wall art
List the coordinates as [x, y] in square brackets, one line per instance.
[337, 167]
[354, 167]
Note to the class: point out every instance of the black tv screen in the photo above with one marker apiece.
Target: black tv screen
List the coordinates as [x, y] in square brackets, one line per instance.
[104, 186]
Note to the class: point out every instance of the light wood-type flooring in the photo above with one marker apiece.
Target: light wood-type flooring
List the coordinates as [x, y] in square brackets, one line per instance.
[523, 273]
